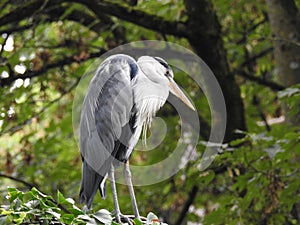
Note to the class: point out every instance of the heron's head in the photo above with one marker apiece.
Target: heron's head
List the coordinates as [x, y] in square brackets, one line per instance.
[159, 71]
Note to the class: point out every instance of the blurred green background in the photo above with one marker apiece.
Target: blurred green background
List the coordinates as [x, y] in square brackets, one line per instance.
[253, 48]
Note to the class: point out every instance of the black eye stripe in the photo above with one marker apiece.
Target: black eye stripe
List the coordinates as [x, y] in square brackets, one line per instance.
[162, 63]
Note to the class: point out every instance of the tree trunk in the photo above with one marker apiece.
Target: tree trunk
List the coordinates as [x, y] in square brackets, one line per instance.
[285, 24]
[205, 37]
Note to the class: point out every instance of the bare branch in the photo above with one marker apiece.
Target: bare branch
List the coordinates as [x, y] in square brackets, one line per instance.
[21, 12]
[30, 74]
[3, 44]
[251, 29]
[55, 13]
[256, 56]
[270, 84]
[15, 28]
[27, 184]
[188, 203]
[150, 21]
[97, 24]
[256, 103]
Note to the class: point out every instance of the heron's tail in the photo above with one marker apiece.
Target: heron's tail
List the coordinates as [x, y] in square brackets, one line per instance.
[91, 181]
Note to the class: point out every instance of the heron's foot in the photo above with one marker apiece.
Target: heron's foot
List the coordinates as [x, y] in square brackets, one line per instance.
[85, 209]
[120, 218]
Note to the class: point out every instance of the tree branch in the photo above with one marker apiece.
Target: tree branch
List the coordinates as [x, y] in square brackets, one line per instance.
[252, 28]
[3, 44]
[21, 12]
[188, 203]
[15, 28]
[30, 74]
[30, 186]
[27, 121]
[150, 21]
[54, 13]
[97, 24]
[27, 184]
[270, 84]
[256, 56]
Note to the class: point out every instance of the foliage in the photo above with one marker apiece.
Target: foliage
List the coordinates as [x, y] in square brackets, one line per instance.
[34, 207]
[254, 179]
[262, 180]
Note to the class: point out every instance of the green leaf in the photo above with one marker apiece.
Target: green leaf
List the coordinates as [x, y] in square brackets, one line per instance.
[55, 214]
[84, 217]
[67, 218]
[5, 212]
[20, 217]
[103, 216]
[36, 193]
[60, 198]
[76, 211]
[137, 222]
[288, 92]
[70, 200]
[13, 194]
[32, 204]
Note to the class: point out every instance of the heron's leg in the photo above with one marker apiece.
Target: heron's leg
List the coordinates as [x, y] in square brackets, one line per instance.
[131, 190]
[114, 192]
[118, 214]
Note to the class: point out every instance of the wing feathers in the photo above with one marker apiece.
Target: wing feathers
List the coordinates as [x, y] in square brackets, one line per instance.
[107, 108]
[89, 184]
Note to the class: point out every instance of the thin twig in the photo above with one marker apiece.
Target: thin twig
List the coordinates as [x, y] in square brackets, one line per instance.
[4, 43]
[252, 28]
[256, 103]
[15, 128]
[270, 84]
[256, 56]
[66, 61]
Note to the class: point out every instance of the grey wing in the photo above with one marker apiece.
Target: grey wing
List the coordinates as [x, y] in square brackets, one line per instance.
[106, 110]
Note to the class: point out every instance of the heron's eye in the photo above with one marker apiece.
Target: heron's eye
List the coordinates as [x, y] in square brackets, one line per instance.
[167, 74]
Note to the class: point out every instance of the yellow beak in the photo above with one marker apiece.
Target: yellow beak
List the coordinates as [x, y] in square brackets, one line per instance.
[175, 90]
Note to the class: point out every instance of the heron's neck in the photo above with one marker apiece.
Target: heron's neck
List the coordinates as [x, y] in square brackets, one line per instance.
[149, 97]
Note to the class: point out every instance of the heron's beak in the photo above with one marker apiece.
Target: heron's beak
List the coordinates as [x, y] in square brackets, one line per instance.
[175, 90]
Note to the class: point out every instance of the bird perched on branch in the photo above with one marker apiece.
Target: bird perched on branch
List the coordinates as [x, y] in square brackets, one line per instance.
[122, 98]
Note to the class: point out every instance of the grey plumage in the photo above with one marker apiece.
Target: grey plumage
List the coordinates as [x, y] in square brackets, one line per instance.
[107, 111]
[121, 100]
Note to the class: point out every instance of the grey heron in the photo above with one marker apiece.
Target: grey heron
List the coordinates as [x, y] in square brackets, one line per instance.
[122, 98]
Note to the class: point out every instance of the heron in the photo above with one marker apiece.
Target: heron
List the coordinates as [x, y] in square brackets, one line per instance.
[122, 98]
